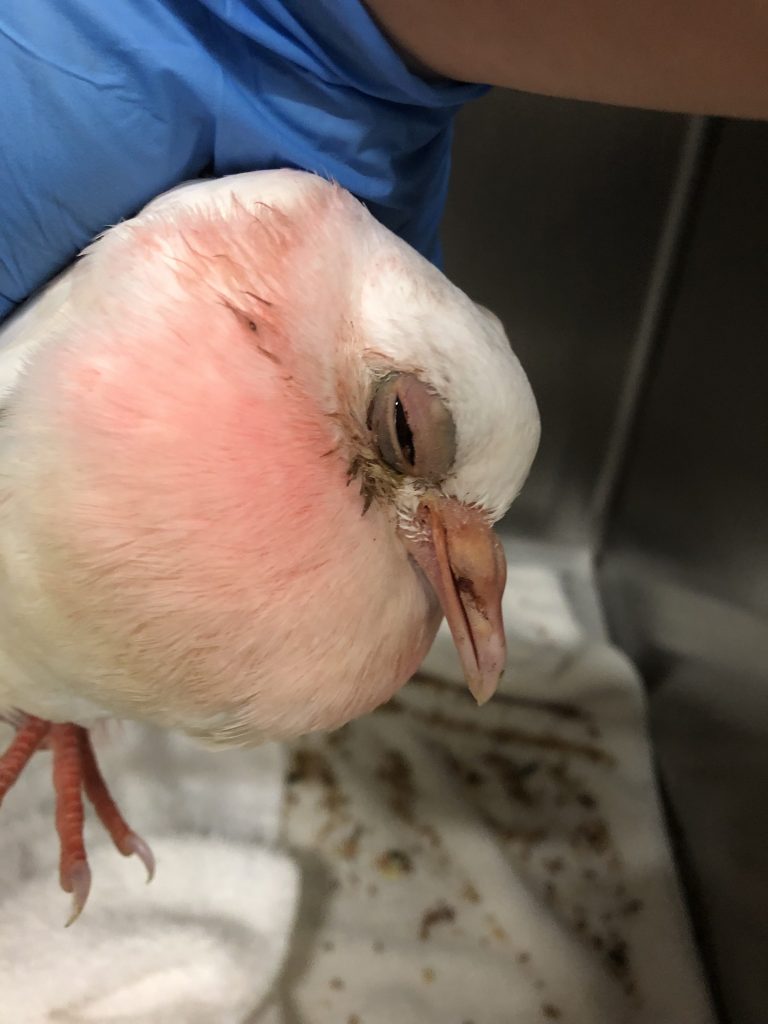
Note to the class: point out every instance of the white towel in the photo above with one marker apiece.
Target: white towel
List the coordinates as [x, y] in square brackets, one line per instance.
[203, 943]
[507, 865]
[458, 866]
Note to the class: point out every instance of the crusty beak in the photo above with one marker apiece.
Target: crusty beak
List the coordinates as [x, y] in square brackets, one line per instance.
[464, 561]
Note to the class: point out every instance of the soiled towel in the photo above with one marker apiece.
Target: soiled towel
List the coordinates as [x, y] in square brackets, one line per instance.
[443, 864]
[507, 865]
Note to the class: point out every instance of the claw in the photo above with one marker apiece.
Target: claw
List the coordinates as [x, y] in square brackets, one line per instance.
[133, 843]
[74, 769]
[78, 882]
[124, 838]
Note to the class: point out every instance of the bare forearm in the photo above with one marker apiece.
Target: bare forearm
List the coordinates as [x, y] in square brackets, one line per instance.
[707, 56]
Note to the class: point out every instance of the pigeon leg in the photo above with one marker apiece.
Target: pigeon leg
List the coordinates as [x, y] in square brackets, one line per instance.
[124, 838]
[74, 770]
[26, 741]
[74, 873]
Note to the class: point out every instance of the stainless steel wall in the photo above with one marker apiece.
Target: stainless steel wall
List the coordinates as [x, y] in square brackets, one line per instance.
[696, 494]
[686, 562]
[552, 222]
[627, 253]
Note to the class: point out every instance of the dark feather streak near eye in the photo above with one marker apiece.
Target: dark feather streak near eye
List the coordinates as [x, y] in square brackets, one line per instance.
[404, 433]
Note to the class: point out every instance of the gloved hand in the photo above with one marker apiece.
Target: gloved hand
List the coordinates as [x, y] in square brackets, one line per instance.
[105, 105]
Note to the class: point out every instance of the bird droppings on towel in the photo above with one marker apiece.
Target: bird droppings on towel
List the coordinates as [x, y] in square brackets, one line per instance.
[458, 866]
[520, 844]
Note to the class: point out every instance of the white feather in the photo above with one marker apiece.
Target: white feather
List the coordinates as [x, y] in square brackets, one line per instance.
[402, 314]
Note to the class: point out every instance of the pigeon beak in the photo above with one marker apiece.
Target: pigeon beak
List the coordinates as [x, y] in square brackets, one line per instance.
[464, 561]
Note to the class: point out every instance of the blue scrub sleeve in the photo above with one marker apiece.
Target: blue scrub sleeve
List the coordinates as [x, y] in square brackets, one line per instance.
[103, 105]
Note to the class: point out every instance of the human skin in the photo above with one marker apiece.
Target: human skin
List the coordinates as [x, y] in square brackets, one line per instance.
[710, 57]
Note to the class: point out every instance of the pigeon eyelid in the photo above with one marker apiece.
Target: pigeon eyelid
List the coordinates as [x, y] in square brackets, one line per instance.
[412, 428]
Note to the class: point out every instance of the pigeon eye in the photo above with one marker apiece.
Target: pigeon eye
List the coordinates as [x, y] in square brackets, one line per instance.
[413, 430]
[404, 433]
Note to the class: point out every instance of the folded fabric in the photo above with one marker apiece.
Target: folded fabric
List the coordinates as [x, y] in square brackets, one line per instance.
[503, 865]
[203, 943]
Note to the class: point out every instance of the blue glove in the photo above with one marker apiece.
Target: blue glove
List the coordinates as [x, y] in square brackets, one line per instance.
[106, 104]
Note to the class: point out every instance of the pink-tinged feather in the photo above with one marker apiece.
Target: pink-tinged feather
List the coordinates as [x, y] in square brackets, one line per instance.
[252, 445]
[205, 559]
[187, 462]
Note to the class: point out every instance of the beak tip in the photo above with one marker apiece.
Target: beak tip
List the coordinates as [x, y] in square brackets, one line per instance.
[483, 689]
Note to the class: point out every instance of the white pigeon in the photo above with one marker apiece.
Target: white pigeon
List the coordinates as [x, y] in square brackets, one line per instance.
[252, 445]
